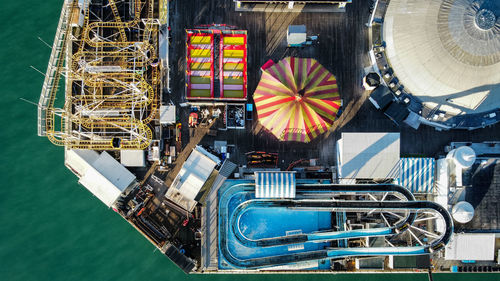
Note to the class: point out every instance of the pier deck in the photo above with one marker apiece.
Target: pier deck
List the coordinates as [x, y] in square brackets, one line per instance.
[342, 49]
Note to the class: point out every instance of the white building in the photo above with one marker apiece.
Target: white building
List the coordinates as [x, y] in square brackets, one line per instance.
[471, 246]
[101, 174]
[191, 178]
[368, 156]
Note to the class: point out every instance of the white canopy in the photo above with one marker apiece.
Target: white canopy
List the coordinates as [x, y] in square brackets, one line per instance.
[167, 114]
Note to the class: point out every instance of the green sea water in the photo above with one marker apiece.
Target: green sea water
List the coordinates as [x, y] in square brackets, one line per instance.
[50, 227]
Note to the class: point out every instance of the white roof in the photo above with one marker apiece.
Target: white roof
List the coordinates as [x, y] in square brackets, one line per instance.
[132, 158]
[368, 155]
[167, 114]
[112, 170]
[440, 55]
[471, 246]
[191, 178]
[101, 174]
[79, 160]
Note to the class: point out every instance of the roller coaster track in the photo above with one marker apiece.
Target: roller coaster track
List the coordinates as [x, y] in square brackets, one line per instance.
[118, 81]
[109, 122]
[118, 25]
[140, 58]
[123, 71]
[322, 236]
[141, 141]
[411, 206]
[112, 4]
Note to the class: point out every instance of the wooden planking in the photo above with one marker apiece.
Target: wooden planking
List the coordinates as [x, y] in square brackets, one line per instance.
[342, 49]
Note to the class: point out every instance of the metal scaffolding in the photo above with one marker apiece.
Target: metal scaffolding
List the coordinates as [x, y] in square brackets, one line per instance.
[112, 76]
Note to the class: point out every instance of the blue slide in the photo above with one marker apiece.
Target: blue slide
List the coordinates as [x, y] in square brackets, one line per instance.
[229, 222]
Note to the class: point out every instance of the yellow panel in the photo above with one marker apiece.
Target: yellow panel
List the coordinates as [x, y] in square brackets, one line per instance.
[200, 66]
[233, 53]
[200, 79]
[233, 81]
[200, 53]
[200, 39]
[233, 66]
[234, 40]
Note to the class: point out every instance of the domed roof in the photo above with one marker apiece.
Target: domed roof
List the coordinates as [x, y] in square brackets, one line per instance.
[462, 212]
[446, 52]
[463, 156]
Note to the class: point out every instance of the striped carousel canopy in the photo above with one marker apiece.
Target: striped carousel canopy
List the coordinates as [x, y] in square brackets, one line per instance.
[297, 99]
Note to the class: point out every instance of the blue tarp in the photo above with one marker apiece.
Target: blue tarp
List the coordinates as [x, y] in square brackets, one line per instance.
[275, 184]
[417, 174]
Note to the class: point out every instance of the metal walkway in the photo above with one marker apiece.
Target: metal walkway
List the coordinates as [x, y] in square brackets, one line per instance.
[54, 69]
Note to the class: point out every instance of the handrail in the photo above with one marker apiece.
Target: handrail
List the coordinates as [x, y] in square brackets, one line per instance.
[54, 69]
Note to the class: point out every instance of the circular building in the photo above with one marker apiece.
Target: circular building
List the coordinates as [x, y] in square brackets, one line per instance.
[446, 52]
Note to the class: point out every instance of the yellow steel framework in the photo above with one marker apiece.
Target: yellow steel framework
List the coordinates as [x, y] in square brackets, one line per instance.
[112, 81]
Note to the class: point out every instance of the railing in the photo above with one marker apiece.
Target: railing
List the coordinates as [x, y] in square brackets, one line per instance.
[54, 68]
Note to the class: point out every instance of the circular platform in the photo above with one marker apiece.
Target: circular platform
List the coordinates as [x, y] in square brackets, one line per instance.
[446, 52]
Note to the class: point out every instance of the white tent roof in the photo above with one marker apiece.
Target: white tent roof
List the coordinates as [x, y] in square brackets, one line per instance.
[101, 174]
[471, 246]
[368, 155]
[191, 178]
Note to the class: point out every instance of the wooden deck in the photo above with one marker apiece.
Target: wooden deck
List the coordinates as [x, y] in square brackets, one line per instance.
[342, 49]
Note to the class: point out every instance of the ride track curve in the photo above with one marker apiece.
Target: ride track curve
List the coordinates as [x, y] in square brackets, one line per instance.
[230, 222]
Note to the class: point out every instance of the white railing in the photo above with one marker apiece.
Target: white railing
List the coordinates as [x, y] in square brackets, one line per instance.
[50, 84]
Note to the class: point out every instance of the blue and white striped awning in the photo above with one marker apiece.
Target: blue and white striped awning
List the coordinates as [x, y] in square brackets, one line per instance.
[417, 174]
[275, 184]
